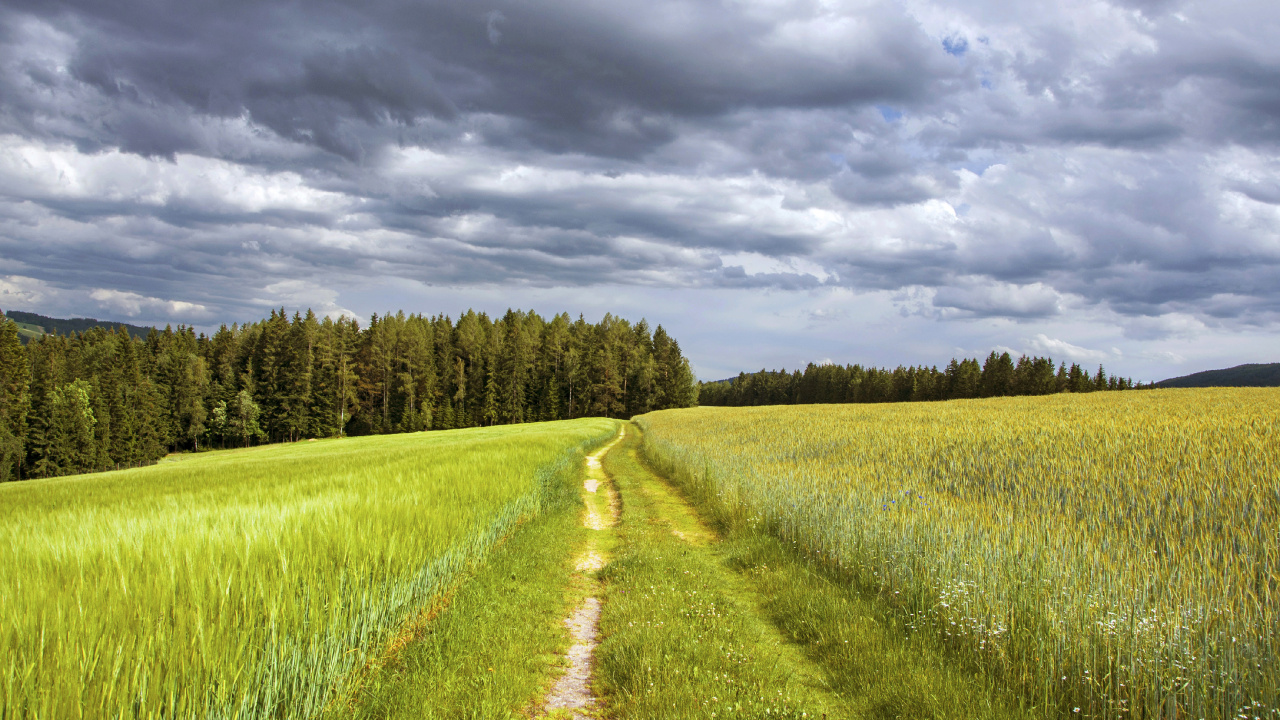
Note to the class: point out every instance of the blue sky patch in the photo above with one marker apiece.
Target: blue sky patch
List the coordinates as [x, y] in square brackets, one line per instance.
[956, 45]
[888, 113]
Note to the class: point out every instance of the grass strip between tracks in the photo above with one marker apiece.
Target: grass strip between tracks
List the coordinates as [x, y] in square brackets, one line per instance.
[715, 621]
[682, 635]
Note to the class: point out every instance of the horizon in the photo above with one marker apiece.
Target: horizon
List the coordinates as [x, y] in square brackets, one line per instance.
[208, 330]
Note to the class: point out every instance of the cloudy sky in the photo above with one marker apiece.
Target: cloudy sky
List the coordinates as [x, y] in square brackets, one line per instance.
[775, 181]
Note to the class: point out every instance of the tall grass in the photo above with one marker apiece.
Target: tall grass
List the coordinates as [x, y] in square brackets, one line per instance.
[1108, 555]
[250, 584]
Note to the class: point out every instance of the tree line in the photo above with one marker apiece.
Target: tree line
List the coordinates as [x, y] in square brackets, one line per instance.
[101, 399]
[998, 376]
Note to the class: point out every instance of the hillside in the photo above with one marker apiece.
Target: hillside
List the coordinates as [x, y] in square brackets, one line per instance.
[1251, 375]
[32, 326]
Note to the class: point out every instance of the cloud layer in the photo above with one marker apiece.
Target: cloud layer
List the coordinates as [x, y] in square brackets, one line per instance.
[974, 161]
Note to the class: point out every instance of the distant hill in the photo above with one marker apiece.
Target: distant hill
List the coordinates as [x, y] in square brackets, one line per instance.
[32, 326]
[1252, 375]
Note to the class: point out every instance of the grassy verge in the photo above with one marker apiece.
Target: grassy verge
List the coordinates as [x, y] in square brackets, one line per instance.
[857, 657]
[879, 667]
[682, 637]
[486, 653]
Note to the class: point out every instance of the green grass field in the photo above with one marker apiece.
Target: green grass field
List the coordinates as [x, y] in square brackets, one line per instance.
[254, 583]
[29, 332]
[494, 649]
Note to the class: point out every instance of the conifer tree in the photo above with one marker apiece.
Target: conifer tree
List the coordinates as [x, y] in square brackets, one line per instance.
[15, 403]
[346, 344]
[297, 366]
[284, 379]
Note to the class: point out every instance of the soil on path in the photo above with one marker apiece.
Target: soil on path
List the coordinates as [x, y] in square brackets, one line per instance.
[571, 696]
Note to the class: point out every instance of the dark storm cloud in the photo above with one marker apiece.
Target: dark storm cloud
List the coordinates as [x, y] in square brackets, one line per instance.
[1010, 160]
[570, 74]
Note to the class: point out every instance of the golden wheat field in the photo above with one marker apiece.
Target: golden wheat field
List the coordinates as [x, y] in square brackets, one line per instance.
[1104, 555]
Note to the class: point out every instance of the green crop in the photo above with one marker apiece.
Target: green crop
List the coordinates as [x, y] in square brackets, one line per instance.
[1103, 555]
[246, 584]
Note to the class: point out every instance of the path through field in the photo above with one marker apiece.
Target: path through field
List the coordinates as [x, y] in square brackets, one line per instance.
[572, 692]
[636, 514]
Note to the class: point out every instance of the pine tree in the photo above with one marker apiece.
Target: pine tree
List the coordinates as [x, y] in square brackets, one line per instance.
[323, 407]
[604, 370]
[997, 375]
[346, 344]
[15, 403]
[298, 362]
[414, 367]
[184, 381]
[516, 350]
[675, 381]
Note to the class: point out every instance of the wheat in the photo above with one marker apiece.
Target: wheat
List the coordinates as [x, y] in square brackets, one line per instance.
[1106, 555]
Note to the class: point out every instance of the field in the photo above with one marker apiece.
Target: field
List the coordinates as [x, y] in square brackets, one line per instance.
[1103, 555]
[1109, 555]
[253, 583]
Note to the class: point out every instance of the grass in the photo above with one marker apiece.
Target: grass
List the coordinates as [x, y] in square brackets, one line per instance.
[681, 638]
[876, 665]
[253, 583]
[487, 654]
[704, 619]
[1108, 555]
[29, 332]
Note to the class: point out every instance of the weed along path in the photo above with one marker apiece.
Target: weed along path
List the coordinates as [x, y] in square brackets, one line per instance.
[671, 618]
[700, 621]
[572, 692]
[682, 632]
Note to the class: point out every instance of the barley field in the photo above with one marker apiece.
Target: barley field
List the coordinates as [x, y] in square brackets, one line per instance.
[1108, 555]
[251, 584]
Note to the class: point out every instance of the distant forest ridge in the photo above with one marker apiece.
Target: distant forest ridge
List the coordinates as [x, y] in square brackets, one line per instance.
[103, 399]
[32, 326]
[1249, 375]
[998, 376]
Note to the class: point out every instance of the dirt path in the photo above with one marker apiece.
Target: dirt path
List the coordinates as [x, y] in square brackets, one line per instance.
[571, 696]
[659, 507]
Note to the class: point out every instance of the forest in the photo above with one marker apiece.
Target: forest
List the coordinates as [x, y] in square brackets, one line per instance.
[998, 376]
[99, 399]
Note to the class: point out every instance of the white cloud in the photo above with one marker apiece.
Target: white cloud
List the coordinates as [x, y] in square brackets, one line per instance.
[300, 294]
[35, 170]
[757, 264]
[21, 293]
[1042, 344]
[132, 304]
[982, 297]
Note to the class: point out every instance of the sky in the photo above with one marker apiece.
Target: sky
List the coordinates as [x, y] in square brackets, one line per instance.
[775, 182]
